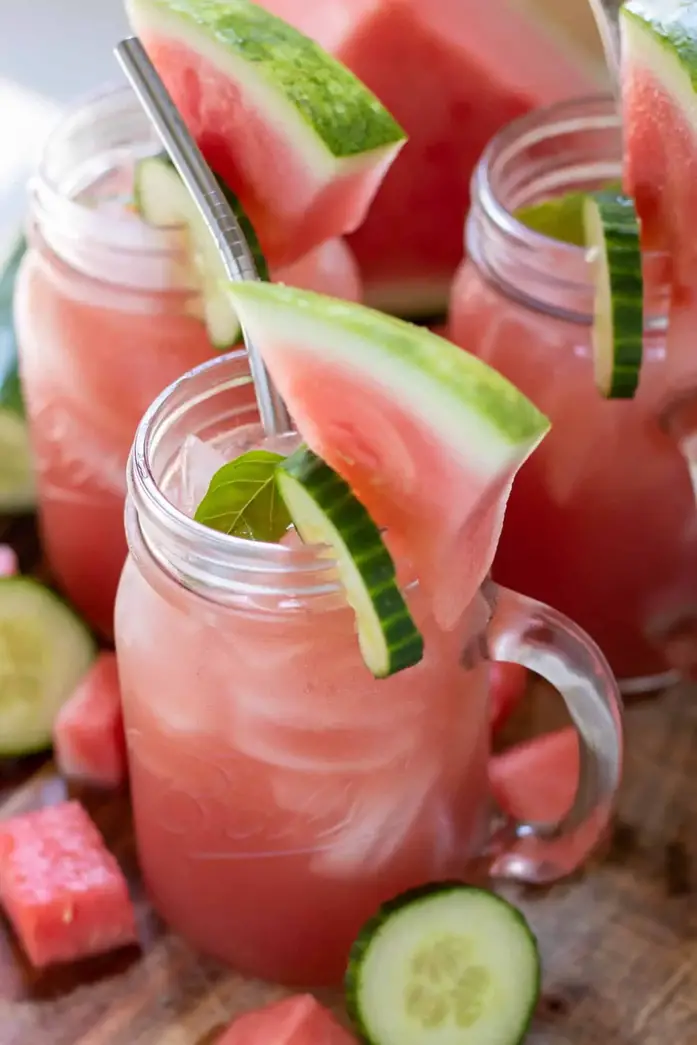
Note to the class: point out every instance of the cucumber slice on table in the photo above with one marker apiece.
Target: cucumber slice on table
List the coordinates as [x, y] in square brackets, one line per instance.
[17, 485]
[45, 649]
[445, 964]
[162, 200]
[326, 511]
[612, 233]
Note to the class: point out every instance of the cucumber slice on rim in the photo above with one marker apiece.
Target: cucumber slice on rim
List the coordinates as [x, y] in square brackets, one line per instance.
[444, 964]
[613, 236]
[326, 511]
[17, 483]
[162, 200]
[45, 649]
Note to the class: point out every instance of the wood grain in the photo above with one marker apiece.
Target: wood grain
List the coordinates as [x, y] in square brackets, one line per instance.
[619, 942]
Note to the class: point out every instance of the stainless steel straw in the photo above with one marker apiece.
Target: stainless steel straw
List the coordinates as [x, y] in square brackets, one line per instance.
[216, 211]
[607, 18]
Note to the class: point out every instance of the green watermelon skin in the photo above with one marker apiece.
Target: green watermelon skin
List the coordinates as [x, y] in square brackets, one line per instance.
[294, 135]
[437, 68]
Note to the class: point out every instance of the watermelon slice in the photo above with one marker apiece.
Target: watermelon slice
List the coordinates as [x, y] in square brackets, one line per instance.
[88, 735]
[452, 72]
[428, 437]
[659, 80]
[298, 1020]
[62, 890]
[298, 139]
[536, 781]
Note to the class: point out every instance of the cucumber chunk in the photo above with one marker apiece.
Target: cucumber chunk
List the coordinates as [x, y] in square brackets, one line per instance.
[444, 964]
[326, 511]
[613, 236]
[17, 483]
[45, 649]
[162, 200]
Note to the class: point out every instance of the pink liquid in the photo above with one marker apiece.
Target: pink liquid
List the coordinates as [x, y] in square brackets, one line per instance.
[601, 521]
[94, 354]
[93, 357]
[280, 792]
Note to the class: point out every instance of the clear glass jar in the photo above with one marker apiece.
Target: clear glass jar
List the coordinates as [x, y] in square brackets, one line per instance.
[106, 318]
[601, 521]
[280, 792]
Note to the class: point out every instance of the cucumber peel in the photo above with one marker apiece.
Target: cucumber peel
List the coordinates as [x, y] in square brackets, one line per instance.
[325, 511]
[162, 200]
[444, 964]
[614, 242]
[45, 649]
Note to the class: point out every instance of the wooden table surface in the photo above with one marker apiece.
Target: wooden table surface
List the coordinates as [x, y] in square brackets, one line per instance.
[619, 942]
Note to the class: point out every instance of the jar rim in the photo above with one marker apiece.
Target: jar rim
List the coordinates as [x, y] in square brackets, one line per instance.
[52, 194]
[230, 562]
[502, 245]
[514, 136]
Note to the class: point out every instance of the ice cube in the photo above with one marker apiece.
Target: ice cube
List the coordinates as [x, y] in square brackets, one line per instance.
[199, 461]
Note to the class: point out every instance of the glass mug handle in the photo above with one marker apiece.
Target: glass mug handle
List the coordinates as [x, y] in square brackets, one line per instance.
[524, 631]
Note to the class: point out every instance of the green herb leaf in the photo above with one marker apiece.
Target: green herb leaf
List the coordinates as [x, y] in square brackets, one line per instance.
[243, 500]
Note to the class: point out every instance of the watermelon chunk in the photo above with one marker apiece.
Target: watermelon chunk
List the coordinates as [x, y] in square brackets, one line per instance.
[298, 1020]
[452, 72]
[507, 686]
[536, 781]
[428, 437]
[88, 735]
[297, 138]
[329, 269]
[659, 80]
[60, 887]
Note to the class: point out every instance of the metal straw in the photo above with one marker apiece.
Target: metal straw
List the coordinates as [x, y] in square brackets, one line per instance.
[607, 18]
[216, 211]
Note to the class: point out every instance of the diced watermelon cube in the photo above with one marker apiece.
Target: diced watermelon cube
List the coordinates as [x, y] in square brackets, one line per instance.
[88, 735]
[507, 686]
[61, 888]
[298, 1020]
[537, 780]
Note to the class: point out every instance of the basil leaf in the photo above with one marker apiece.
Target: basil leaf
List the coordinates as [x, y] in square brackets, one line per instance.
[243, 500]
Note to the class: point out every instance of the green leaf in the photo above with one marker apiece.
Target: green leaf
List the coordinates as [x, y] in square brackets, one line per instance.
[243, 500]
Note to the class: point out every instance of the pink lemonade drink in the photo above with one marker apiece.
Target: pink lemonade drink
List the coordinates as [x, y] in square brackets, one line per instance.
[107, 316]
[280, 791]
[601, 521]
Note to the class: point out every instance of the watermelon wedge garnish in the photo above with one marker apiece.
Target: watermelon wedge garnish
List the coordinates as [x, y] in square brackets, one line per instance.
[301, 142]
[428, 437]
[659, 81]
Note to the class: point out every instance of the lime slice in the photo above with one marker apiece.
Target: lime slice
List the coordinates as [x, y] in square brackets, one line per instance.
[560, 218]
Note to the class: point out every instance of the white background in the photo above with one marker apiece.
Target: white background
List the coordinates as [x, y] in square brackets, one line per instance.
[51, 52]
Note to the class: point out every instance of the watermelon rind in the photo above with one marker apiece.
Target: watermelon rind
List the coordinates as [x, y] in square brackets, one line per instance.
[305, 92]
[662, 35]
[476, 413]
